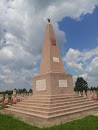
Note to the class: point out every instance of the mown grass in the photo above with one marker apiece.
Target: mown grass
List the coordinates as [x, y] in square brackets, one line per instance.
[1, 108]
[7, 122]
[87, 123]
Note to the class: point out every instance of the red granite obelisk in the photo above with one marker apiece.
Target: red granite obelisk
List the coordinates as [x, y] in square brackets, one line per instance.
[52, 78]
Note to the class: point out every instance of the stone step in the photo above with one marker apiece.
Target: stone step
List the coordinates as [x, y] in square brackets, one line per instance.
[55, 98]
[39, 97]
[51, 108]
[50, 96]
[44, 112]
[54, 114]
[73, 108]
[26, 112]
[73, 112]
[53, 103]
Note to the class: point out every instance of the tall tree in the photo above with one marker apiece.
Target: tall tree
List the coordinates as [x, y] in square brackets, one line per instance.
[81, 84]
[30, 91]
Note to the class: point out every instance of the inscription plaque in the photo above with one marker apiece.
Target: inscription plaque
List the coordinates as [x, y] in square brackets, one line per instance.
[55, 59]
[62, 83]
[41, 85]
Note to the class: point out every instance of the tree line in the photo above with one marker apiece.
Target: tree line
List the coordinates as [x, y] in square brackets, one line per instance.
[80, 85]
[10, 92]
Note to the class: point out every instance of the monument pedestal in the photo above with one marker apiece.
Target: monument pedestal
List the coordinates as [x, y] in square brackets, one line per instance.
[53, 83]
[53, 92]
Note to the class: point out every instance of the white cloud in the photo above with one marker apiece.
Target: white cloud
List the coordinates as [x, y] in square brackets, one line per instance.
[72, 58]
[87, 55]
[25, 22]
[9, 81]
[5, 70]
[92, 68]
[2, 77]
[75, 60]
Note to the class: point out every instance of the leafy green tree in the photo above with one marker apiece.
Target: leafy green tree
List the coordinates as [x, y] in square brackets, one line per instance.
[30, 91]
[81, 84]
[22, 90]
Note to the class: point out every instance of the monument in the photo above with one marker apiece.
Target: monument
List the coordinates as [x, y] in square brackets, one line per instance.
[53, 99]
[52, 78]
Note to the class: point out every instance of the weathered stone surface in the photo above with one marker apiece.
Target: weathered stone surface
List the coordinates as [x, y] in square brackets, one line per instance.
[52, 84]
[84, 93]
[51, 60]
[1, 97]
[56, 80]
[79, 93]
[6, 99]
[53, 93]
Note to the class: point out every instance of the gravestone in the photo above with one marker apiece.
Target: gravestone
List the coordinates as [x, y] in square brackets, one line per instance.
[91, 93]
[52, 78]
[76, 93]
[94, 94]
[1, 98]
[12, 96]
[6, 99]
[18, 97]
[79, 93]
[14, 99]
[53, 93]
[84, 93]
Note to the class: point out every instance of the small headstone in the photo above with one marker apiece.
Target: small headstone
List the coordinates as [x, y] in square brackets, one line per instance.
[88, 93]
[14, 100]
[76, 93]
[30, 94]
[94, 94]
[84, 93]
[12, 96]
[6, 100]
[91, 93]
[18, 97]
[1, 98]
[79, 93]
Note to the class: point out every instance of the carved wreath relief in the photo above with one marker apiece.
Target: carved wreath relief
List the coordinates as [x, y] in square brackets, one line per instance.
[53, 41]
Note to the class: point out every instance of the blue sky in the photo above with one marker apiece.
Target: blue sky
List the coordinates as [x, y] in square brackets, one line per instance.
[22, 29]
[81, 34]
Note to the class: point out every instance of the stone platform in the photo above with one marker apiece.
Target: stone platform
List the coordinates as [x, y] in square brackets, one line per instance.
[48, 107]
[53, 94]
[52, 83]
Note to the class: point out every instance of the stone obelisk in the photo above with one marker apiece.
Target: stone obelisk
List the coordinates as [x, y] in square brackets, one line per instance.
[52, 78]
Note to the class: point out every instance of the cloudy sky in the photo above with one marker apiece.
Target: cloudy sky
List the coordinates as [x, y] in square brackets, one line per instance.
[22, 28]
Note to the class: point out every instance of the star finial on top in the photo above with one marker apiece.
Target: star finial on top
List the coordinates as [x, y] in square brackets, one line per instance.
[48, 20]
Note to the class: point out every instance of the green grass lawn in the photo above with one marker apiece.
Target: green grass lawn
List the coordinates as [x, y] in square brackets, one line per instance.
[1, 108]
[7, 122]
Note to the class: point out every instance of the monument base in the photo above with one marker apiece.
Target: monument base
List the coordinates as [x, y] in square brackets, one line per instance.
[53, 83]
